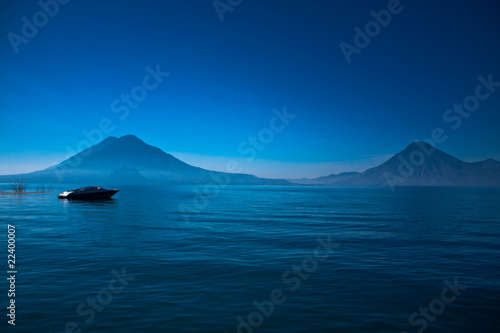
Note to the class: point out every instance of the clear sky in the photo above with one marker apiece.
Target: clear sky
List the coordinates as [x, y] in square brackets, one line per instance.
[71, 71]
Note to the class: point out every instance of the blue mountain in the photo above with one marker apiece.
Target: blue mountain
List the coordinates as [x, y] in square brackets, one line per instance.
[129, 160]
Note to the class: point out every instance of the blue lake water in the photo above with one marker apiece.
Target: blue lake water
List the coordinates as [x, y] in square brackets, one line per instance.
[255, 259]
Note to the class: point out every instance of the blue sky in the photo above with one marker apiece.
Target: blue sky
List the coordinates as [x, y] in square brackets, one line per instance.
[226, 77]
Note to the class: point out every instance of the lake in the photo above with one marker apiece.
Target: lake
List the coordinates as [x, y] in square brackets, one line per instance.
[255, 259]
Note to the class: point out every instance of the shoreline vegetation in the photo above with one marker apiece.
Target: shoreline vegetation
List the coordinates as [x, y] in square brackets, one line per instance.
[22, 188]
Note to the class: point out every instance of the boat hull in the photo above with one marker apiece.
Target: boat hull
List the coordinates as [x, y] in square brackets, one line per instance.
[100, 195]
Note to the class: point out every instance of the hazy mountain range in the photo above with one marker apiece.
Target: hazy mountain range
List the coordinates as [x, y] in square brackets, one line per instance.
[419, 164]
[128, 160]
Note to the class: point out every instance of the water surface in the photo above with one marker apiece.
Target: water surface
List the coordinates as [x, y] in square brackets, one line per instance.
[202, 271]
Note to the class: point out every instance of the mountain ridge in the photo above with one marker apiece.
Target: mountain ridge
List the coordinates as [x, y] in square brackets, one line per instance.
[129, 155]
[128, 159]
[420, 164]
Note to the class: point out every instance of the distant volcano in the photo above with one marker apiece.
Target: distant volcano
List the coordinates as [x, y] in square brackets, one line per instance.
[128, 160]
[419, 164]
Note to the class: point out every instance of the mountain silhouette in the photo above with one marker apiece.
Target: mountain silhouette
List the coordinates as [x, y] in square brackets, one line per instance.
[129, 160]
[331, 180]
[420, 164]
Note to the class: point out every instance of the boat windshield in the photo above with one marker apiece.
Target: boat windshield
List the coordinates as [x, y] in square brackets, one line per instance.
[87, 188]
